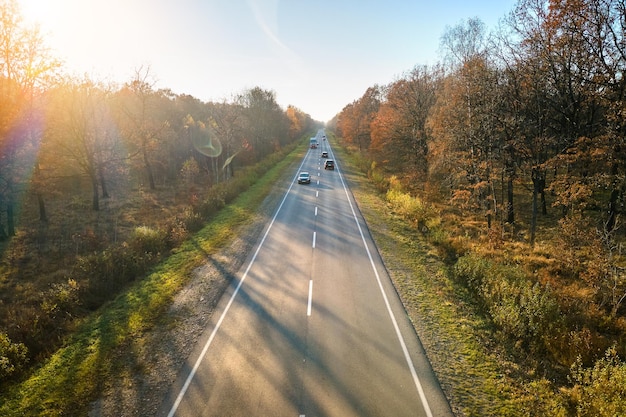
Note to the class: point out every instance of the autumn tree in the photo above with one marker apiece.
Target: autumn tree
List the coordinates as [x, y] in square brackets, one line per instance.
[82, 132]
[557, 106]
[142, 121]
[597, 32]
[205, 145]
[586, 41]
[467, 138]
[345, 122]
[354, 121]
[267, 126]
[299, 122]
[399, 134]
[177, 145]
[25, 69]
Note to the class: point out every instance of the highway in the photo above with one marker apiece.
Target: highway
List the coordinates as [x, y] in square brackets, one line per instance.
[313, 325]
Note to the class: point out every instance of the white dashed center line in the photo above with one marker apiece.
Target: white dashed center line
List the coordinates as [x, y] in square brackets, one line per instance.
[308, 308]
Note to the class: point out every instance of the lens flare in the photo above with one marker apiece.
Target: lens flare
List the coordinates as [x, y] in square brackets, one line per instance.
[207, 145]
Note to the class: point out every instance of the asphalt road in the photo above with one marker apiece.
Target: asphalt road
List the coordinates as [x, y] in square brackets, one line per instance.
[313, 326]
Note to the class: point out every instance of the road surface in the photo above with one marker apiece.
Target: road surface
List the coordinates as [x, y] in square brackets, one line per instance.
[313, 326]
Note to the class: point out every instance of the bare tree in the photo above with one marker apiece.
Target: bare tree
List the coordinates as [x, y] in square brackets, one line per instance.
[226, 122]
[83, 133]
[143, 125]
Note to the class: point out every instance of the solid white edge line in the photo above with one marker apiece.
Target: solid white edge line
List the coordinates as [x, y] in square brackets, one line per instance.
[308, 308]
[205, 349]
[405, 350]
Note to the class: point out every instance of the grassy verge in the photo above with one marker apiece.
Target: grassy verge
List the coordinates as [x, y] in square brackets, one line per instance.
[75, 374]
[474, 374]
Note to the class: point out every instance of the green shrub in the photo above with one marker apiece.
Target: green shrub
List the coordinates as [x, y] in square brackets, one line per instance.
[363, 164]
[147, 239]
[214, 202]
[540, 398]
[13, 356]
[471, 271]
[600, 391]
[412, 208]
[524, 311]
[378, 178]
[107, 272]
[190, 220]
[61, 299]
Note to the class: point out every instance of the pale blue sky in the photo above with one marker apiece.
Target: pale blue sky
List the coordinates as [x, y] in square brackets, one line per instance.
[317, 55]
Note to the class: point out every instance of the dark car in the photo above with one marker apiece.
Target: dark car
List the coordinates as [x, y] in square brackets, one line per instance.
[324, 154]
[329, 164]
[304, 178]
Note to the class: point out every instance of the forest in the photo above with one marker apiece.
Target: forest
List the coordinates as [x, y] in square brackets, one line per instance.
[510, 157]
[99, 181]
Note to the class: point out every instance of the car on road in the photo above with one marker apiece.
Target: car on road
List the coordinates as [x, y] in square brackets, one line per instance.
[329, 164]
[324, 154]
[304, 178]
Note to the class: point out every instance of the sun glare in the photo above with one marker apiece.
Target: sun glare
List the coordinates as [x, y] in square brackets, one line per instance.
[42, 12]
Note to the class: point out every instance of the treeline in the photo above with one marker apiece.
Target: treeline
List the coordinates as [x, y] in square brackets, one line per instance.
[81, 132]
[510, 154]
[99, 181]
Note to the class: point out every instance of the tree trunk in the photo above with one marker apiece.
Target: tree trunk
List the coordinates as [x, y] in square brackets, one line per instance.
[95, 202]
[103, 185]
[42, 208]
[216, 169]
[146, 163]
[40, 201]
[510, 210]
[612, 219]
[616, 193]
[489, 208]
[3, 235]
[539, 182]
[509, 171]
[10, 219]
[533, 222]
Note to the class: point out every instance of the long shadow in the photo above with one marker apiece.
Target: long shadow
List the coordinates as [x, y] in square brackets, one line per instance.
[289, 341]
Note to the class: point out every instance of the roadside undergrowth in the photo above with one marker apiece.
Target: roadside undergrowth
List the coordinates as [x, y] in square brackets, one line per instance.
[473, 372]
[75, 374]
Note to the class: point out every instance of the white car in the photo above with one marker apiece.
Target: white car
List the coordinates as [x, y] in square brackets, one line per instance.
[304, 178]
